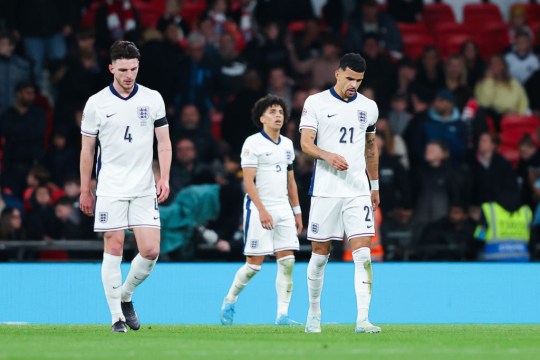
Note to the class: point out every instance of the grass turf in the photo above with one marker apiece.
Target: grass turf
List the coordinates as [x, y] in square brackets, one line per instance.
[258, 342]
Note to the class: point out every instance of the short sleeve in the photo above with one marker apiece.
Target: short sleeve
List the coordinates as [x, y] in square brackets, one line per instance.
[309, 118]
[249, 156]
[160, 118]
[290, 154]
[372, 121]
[89, 123]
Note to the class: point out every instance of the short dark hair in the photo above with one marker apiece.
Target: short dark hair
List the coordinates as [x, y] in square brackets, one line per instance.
[122, 49]
[263, 104]
[353, 61]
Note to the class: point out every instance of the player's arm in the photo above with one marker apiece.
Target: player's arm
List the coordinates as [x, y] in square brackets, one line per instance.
[88, 150]
[307, 141]
[164, 149]
[292, 190]
[249, 184]
[372, 167]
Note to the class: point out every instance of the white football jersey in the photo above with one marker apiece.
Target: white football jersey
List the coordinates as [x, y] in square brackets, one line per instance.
[124, 128]
[341, 129]
[272, 161]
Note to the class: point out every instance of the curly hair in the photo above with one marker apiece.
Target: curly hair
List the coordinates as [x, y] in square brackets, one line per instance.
[263, 104]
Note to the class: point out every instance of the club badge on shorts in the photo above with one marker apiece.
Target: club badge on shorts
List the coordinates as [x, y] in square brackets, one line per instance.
[103, 217]
[314, 228]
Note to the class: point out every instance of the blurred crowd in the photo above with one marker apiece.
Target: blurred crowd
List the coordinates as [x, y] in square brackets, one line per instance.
[458, 133]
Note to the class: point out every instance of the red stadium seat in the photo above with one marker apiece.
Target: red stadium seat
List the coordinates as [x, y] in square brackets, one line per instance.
[513, 127]
[450, 37]
[525, 123]
[192, 10]
[481, 13]
[296, 26]
[438, 13]
[150, 11]
[414, 44]
[485, 34]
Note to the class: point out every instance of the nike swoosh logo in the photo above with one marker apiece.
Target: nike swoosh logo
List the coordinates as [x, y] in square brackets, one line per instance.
[369, 226]
[116, 287]
[156, 218]
[136, 278]
[331, 115]
[365, 282]
[109, 115]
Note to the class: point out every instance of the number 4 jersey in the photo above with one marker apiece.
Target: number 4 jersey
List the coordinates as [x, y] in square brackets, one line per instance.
[124, 128]
[341, 128]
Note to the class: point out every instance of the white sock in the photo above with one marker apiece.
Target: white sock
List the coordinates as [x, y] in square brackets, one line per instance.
[315, 280]
[111, 276]
[241, 279]
[284, 284]
[363, 279]
[139, 271]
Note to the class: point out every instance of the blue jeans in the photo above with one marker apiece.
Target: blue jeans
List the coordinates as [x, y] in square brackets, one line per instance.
[39, 49]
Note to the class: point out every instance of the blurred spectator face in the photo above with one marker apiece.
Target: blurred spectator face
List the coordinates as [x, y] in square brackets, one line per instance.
[497, 66]
[486, 144]
[271, 31]
[522, 44]
[407, 72]
[443, 106]
[455, 67]
[196, 44]
[26, 96]
[252, 81]
[15, 219]
[171, 32]
[86, 40]
[59, 140]
[383, 125]
[173, 7]
[185, 152]
[231, 166]
[88, 58]
[470, 51]
[219, 6]
[43, 197]
[190, 117]
[517, 16]
[399, 103]
[72, 189]
[434, 154]
[403, 216]
[227, 46]
[457, 215]
[370, 12]
[526, 151]
[277, 79]
[63, 211]
[6, 47]
[330, 51]
[430, 59]
[371, 47]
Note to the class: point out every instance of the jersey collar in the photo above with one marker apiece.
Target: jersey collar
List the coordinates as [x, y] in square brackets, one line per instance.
[335, 94]
[115, 93]
[269, 138]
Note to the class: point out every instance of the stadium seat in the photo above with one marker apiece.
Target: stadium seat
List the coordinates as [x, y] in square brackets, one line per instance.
[524, 122]
[481, 13]
[450, 37]
[296, 26]
[192, 10]
[513, 127]
[535, 27]
[485, 34]
[414, 44]
[438, 13]
[150, 11]
[532, 11]
[412, 28]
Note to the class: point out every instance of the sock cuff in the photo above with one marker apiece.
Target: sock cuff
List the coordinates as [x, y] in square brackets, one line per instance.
[285, 258]
[112, 258]
[362, 254]
[253, 267]
[319, 259]
[145, 261]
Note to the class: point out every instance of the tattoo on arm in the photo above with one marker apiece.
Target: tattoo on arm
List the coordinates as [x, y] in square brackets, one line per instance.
[370, 147]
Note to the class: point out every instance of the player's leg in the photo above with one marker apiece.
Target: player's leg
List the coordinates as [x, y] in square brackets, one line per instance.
[111, 276]
[241, 279]
[324, 226]
[111, 218]
[359, 223]
[144, 219]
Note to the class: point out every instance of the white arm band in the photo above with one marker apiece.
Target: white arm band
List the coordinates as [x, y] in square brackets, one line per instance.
[374, 185]
[296, 210]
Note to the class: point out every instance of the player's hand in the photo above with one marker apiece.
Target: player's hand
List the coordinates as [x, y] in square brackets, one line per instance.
[86, 203]
[299, 224]
[266, 219]
[338, 162]
[375, 199]
[163, 190]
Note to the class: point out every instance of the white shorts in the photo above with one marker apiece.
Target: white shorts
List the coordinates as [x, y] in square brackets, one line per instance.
[113, 214]
[330, 218]
[259, 242]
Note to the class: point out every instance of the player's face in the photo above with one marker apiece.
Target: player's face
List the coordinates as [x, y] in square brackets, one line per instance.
[125, 73]
[348, 82]
[273, 118]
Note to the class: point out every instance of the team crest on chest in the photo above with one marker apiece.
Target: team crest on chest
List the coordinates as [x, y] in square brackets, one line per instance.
[289, 155]
[362, 117]
[143, 113]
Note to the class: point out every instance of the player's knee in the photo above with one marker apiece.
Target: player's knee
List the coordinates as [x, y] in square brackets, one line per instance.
[149, 252]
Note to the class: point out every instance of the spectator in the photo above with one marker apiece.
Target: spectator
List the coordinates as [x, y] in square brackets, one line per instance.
[528, 166]
[13, 70]
[450, 238]
[500, 92]
[393, 143]
[406, 11]
[406, 75]
[435, 185]
[188, 127]
[398, 116]
[62, 158]
[268, 51]
[522, 61]
[473, 61]
[493, 178]
[368, 19]
[443, 123]
[333, 14]
[532, 87]
[43, 26]
[398, 232]
[40, 222]
[68, 220]
[455, 73]
[430, 73]
[518, 23]
[11, 225]
[116, 20]
[244, 18]
[172, 23]
[231, 67]
[421, 100]
[280, 84]
[23, 127]
[217, 12]
[320, 69]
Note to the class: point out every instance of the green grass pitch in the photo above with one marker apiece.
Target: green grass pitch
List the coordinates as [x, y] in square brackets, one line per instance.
[258, 342]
